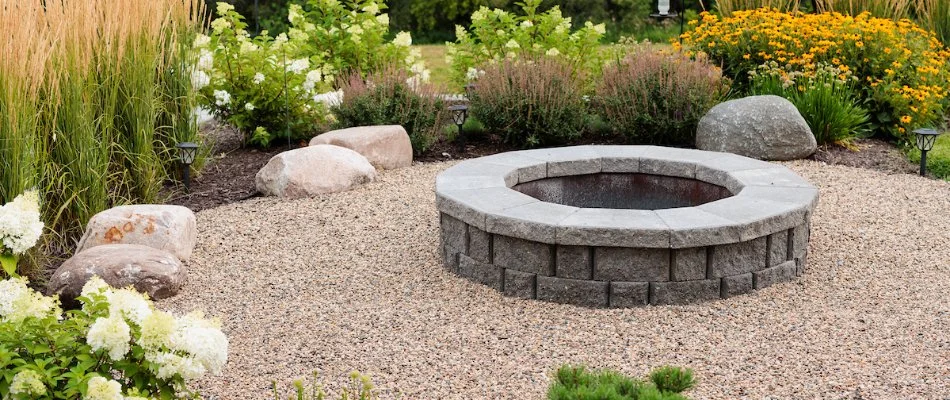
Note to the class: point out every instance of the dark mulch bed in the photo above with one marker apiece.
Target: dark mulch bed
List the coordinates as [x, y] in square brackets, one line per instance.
[229, 174]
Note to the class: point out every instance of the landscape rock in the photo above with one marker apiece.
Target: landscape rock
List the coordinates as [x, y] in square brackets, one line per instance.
[762, 127]
[314, 170]
[164, 227]
[385, 146]
[155, 272]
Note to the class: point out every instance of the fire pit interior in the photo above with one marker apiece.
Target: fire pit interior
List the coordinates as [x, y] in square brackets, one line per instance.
[628, 191]
[623, 226]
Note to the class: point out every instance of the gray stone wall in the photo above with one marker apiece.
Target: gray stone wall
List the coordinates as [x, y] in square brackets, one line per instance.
[597, 276]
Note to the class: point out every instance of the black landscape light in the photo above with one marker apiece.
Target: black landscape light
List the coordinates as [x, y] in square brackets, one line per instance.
[925, 142]
[459, 115]
[187, 151]
[663, 11]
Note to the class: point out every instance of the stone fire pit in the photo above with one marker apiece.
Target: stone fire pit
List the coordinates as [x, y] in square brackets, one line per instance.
[623, 226]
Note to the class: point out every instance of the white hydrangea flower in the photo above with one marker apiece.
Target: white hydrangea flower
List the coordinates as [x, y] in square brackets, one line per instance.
[220, 25]
[111, 334]
[100, 388]
[294, 12]
[372, 8]
[171, 364]
[18, 302]
[224, 7]
[471, 74]
[130, 305]
[202, 339]
[27, 383]
[313, 77]
[403, 39]
[299, 65]
[258, 78]
[199, 79]
[222, 98]
[249, 106]
[383, 19]
[330, 99]
[247, 47]
[480, 14]
[157, 330]
[201, 40]
[205, 60]
[527, 24]
[553, 52]
[512, 44]
[20, 224]
[94, 285]
[600, 28]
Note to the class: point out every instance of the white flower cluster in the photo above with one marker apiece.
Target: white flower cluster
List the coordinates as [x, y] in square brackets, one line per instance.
[27, 384]
[18, 302]
[189, 347]
[200, 73]
[20, 224]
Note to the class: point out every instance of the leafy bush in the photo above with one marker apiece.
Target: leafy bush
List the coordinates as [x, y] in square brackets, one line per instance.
[116, 345]
[497, 35]
[271, 87]
[825, 98]
[530, 102]
[902, 68]
[578, 383]
[360, 388]
[657, 97]
[393, 97]
[95, 96]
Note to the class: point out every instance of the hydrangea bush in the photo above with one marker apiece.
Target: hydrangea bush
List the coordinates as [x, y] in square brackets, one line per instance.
[901, 68]
[280, 87]
[496, 35]
[20, 229]
[117, 346]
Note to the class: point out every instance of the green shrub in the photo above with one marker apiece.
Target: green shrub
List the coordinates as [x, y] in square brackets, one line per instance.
[530, 102]
[497, 35]
[116, 345]
[658, 97]
[360, 387]
[578, 383]
[825, 98]
[393, 97]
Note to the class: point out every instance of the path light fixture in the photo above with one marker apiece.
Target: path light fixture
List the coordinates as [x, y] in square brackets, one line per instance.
[925, 142]
[187, 151]
[459, 115]
[663, 11]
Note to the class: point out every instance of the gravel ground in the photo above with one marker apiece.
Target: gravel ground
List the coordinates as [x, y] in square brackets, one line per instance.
[353, 281]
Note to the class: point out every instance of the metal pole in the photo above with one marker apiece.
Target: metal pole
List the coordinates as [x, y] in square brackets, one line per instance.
[186, 174]
[923, 163]
[461, 137]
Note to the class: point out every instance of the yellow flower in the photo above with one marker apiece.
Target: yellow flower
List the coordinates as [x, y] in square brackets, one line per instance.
[747, 56]
[859, 44]
[906, 119]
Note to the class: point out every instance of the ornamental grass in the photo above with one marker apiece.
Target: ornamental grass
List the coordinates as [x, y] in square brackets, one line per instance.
[94, 97]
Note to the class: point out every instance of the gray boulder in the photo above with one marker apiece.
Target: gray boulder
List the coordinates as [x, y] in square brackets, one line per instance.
[762, 127]
[158, 273]
[385, 146]
[163, 227]
[314, 170]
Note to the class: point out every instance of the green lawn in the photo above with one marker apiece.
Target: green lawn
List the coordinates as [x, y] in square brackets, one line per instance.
[434, 57]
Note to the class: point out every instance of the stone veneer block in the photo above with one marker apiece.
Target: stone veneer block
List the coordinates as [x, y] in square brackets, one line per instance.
[611, 227]
[523, 255]
[631, 264]
[473, 205]
[737, 258]
[629, 294]
[450, 258]
[692, 227]
[453, 233]
[778, 248]
[781, 273]
[535, 221]
[479, 245]
[561, 161]
[688, 264]
[800, 241]
[755, 217]
[519, 284]
[573, 262]
[524, 167]
[573, 291]
[666, 293]
[736, 285]
[486, 274]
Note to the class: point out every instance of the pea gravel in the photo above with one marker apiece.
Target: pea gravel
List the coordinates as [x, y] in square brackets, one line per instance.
[353, 281]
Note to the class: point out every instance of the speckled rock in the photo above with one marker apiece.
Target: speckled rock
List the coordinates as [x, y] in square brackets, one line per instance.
[763, 127]
[163, 227]
[158, 273]
[385, 146]
[314, 170]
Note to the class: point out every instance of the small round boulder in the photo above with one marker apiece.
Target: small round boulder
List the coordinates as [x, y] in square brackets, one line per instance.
[155, 272]
[763, 127]
[314, 170]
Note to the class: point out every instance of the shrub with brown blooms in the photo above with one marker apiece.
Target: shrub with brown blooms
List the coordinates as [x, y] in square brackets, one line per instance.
[657, 97]
[393, 96]
[531, 103]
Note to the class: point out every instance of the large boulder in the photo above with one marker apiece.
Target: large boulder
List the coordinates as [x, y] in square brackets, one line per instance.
[155, 272]
[163, 227]
[385, 146]
[762, 127]
[314, 170]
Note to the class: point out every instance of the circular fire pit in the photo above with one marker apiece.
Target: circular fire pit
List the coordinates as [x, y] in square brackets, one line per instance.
[623, 226]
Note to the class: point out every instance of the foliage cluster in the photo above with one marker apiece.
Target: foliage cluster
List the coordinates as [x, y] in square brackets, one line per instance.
[579, 383]
[901, 68]
[658, 97]
[391, 97]
[117, 346]
[272, 87]
[94, 98]
[497, 35]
